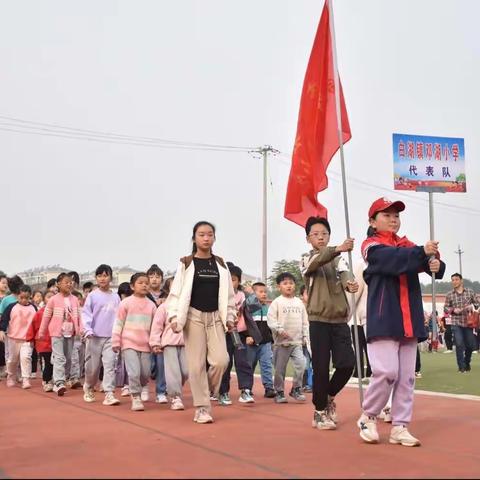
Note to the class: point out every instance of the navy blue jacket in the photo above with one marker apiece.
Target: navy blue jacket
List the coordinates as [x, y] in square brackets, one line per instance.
[394, 302]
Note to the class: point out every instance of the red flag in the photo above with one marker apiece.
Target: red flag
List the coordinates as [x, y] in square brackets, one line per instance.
[317, 131]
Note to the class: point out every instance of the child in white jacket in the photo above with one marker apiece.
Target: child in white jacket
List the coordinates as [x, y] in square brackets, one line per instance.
[288, 320]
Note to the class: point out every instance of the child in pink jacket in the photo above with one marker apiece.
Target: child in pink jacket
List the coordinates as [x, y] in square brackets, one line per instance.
[62, 320]
[17, 322]
[162, 337]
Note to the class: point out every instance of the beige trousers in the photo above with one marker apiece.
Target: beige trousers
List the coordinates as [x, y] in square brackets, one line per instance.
[204, 336]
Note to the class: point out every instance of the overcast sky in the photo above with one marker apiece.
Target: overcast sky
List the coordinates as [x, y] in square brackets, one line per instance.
[223, 72]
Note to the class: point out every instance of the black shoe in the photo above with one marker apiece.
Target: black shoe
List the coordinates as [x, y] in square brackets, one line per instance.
[269, 393]
[468, 368]
[461, 370]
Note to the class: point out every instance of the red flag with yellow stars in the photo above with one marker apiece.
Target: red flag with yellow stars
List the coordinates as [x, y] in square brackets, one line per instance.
[317, 131]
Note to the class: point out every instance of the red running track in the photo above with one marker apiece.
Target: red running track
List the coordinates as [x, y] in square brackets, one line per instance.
[44, 436]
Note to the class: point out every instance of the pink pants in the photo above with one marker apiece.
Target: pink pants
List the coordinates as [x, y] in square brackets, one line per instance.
[393, 368]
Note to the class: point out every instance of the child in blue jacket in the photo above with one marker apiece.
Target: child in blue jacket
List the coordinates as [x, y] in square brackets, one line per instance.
[395, 321]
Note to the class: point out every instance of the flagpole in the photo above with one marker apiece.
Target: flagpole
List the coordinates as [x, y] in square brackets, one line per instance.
[345, 196]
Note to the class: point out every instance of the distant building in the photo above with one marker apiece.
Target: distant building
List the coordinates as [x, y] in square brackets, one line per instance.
[39, 277]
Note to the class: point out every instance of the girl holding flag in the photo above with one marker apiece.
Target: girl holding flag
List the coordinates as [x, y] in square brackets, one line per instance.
[394, 318]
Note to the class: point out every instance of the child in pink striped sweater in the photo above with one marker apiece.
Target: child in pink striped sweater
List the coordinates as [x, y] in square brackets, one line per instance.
[131, 334]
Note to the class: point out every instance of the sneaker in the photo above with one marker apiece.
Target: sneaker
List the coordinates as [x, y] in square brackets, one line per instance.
[47, 387]
[307, 389]
[468, 368]
[11, 382]
[461, 370]
[401, 436]
[448, 351]
[270, 393]
[89, 395]
[213, 397]
[322, 421]
[33, 375]
[177, 404]
[280, 398]
[224, 399]
[332, 410]
[387, 415]
[75, 383]
[418, 374]
[137, 404]
[110, 399]
[297, 394]
[125, 391]
[145, 395]
[26, 384]
[202, 415]
[60, 389]
[245, 396]
[68, 384]
[368, 428]
[161, 398]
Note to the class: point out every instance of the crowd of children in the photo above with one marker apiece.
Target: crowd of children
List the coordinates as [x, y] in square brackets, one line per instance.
[198, 324]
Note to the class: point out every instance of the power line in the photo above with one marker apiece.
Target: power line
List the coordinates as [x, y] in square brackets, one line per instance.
[18, 125]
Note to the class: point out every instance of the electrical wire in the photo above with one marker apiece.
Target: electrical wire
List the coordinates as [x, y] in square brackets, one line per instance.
[18, 125]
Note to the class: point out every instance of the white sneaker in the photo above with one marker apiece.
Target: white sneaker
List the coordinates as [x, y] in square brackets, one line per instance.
[137, 404]
[110, 399]
[448, 351]
[332, 410]
[386, 415]
[26, 384]
[213, 397]
[202, 415]
[88, 395]
[47, 387]
[177, 404]
[401, 436]
[322, 421]
[125, 391]
[145, 395]
[368, 429]
[246, 397]
[161, 398]
[33, 375]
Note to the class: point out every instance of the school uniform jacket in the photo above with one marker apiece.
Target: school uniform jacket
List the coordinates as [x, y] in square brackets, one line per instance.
[394, 303]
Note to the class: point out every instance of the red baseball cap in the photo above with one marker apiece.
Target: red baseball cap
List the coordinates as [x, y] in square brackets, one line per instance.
[382, 204]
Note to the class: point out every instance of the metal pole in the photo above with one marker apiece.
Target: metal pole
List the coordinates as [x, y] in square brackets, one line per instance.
[345, 197]
[264, 151]
[432, 237]
[459, 252]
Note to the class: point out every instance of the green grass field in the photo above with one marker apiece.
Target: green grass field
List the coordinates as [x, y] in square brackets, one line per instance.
[440, 374]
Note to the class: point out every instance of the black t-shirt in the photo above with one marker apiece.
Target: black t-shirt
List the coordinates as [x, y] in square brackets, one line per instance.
[206, 282]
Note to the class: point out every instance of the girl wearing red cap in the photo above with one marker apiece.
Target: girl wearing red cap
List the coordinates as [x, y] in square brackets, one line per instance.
[395, 322]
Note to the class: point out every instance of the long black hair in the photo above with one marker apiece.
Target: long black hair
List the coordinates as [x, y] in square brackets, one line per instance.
[195, 228]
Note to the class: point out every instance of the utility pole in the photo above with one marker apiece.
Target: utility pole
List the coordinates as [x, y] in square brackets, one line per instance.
[460, 252]
[264, 151]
